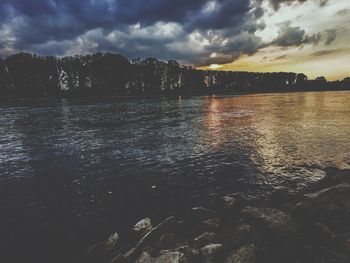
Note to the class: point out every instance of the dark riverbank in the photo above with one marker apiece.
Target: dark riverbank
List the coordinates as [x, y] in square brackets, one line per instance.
[308, 226]
[85, 99]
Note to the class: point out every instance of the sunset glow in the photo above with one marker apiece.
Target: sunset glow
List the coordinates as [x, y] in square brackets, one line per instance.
[306, 38]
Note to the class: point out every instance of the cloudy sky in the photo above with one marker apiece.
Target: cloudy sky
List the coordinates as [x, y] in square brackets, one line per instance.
[310, 36]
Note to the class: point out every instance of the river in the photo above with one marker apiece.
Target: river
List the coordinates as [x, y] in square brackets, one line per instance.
[78, 170]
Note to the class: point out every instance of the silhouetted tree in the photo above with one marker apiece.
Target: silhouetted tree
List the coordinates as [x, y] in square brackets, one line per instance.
[107, 74]
[73, 75]
[32, 76]
[321, 79]
[5, 84]
[300, 78]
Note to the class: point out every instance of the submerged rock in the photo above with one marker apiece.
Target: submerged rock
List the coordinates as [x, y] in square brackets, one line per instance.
[238, 235]
[245, 254]
[212, 253]
[169, 257]
[168, 241]
[332, 256]
[272, 219]
[281, 197]
[342, 176]
[97, 252]
[330, 205]
[211, 224]
[321, 234]
[335, 176]
[201, 220]
[172, 257]
[201, 213]
[144, 258]
[229, 202]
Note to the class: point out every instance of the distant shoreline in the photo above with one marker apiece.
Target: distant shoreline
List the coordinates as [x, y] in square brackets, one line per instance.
[137, 97]
[109, 75]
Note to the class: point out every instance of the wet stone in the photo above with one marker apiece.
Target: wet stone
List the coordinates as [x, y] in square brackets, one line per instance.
[272, 219]
[201, 213]
[144, 258]
[212, 253]
[168, 241]
[171, 257]
[245, 254]
[144, 226]
[112, 242]
[205, 239]
[330, 205]
[229, 202]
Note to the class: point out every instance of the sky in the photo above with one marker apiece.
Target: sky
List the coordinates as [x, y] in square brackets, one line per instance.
[309, 36]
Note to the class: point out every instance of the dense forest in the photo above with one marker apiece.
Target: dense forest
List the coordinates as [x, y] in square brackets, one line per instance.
[26, 75]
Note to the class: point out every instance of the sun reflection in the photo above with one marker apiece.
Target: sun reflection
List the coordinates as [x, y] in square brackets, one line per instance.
[290, 134]
[212, 120]
[224, 118]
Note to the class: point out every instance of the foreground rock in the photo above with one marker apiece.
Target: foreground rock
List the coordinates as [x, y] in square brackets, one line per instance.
[212, 253]
[168, 225]
[170, 257]
[330, 205]
[112, 242]
[308, 227]
[205, 239]
[246, 254]
[270, 219]
[143, 227]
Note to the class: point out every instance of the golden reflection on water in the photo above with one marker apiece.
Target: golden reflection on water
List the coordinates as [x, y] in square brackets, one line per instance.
[283, 131]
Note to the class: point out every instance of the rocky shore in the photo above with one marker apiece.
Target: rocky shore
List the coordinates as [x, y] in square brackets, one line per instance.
[312, 226]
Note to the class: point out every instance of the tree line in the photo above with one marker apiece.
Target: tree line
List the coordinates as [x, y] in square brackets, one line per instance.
[26, 75]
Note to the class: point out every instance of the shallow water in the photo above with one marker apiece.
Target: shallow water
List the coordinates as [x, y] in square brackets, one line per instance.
[84, 166]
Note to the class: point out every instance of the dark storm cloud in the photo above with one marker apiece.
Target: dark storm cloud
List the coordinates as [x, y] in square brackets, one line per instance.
[289, 35]
[220, 14]
[57, 26]
[147, 12]
[277, 3]
[296, 36]
[196, 31]
[331, 36]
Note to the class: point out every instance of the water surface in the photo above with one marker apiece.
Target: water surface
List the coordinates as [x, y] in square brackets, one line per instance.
[89, 167]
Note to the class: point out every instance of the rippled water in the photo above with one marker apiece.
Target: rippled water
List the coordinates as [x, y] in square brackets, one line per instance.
[65, 161]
